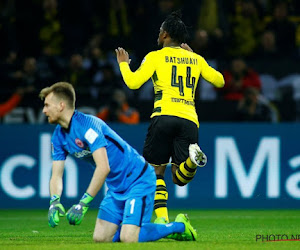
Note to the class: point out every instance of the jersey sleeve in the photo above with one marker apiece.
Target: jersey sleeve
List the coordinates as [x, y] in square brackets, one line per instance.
[211, 75]
[135, 80]
[93, 135]
[58, 152]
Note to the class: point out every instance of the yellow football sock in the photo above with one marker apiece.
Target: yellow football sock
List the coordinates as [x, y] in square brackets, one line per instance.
[186, 171]
[161, 198]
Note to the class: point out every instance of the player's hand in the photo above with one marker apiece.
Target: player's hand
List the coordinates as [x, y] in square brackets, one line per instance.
[56, 210]
[76, 212]
[186, 47]
[122, 55]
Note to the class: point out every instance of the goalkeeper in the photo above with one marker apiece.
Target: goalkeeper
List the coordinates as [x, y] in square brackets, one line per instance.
[126, 210]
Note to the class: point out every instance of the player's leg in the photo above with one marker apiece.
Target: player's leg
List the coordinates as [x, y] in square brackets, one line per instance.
[187, 169]
[104, 231]
[184, 166]
[161, 194]
[157, 151]
[151, 231]
[109, 218]
[136, 226]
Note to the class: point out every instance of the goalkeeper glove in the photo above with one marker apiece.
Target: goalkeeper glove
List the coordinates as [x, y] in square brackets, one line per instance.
[76, 212]
[56, 209]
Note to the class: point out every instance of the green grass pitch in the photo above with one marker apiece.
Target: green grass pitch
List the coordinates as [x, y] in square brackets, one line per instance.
[217, 229]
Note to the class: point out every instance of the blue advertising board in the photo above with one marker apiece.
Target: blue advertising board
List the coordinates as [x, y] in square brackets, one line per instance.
[249, 166]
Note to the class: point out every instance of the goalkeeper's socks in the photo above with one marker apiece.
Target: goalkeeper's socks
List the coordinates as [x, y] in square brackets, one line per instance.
[116, 237]
[186, 172]
[153, 232]
[161, 198]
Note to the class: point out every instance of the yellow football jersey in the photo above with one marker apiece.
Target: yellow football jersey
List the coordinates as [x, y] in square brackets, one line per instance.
[175, 73]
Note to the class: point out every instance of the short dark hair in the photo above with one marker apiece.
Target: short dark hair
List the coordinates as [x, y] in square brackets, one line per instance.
[62, 90]
[176, 27]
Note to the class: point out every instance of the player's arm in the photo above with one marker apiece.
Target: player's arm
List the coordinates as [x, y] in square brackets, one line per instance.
[134, 80]
[76, 212]
[100, 173]
[56, 185]
[211, 75]
[186, 47]
[208, 73]
[56, 181]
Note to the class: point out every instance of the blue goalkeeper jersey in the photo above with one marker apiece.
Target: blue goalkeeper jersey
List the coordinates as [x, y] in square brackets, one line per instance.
[87, 133]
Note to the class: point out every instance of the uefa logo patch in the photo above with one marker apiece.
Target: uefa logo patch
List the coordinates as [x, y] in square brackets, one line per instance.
[79, 143]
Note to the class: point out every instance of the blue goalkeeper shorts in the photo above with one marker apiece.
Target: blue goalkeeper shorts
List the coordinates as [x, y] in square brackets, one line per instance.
[137, 208]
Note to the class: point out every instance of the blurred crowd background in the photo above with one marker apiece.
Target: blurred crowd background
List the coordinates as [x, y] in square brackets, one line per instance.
[254, 43]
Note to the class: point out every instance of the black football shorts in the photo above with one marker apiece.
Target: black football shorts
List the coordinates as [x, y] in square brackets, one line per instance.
[169, 136]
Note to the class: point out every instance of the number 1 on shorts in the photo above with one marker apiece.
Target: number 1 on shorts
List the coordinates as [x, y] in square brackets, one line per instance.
[132, 202]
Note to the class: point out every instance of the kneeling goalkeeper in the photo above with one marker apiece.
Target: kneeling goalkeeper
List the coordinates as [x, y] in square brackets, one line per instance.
[125, 212]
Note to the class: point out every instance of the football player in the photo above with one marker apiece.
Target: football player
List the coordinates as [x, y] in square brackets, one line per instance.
[173, 132]
[126, 210]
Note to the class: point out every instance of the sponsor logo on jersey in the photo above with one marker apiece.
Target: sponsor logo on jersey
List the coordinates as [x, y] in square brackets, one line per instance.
[173, 99]
[79, 143]
[82, 154]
